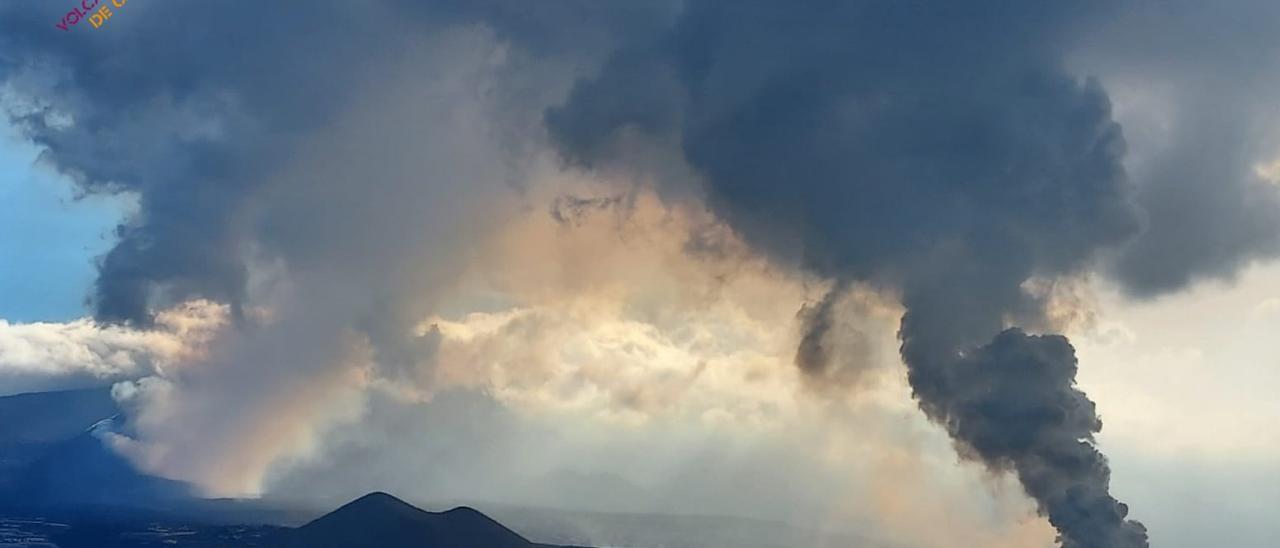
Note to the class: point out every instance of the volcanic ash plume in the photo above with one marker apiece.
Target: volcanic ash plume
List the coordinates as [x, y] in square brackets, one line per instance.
[938, 151]
[1012, 404]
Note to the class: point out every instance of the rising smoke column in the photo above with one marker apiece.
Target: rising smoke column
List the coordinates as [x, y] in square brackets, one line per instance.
[939, 150]
[328, 167]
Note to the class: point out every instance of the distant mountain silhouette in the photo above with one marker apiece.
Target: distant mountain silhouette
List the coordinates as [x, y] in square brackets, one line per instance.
[83, 470]
[50, 417]
[32, 425]
[383, 521]
[51, 454]
[66, 486]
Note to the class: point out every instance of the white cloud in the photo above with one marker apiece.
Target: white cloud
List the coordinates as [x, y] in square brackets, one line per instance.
[1268, 171]
[47, 355]
[1267, 309]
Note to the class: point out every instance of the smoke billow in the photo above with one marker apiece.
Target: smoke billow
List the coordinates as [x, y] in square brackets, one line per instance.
[199, 125]
[338, 175]
[329, 176]
[939, 150]
[835, 354]
[1013, 404]
[1201, 120]
[813, 356]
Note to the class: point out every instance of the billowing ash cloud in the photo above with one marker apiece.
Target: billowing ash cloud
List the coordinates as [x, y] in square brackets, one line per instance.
[325, 166]
[940, 150]
[1013, 404]
[334, 165]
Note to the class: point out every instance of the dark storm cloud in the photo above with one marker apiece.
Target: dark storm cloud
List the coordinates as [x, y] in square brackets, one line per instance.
[1200, 82]
[1208, 214]
[194, 110]
[189, 117]
[939, 149]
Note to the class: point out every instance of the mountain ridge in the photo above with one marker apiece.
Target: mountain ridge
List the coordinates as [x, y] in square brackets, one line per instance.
[379, 519]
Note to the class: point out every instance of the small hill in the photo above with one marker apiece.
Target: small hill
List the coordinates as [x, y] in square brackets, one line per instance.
[381, 520]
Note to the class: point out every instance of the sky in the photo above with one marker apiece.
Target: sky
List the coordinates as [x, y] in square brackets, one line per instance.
[50, 237]
[998, 275]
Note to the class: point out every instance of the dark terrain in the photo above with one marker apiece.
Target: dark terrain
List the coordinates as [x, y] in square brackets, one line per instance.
[379, 519]
[374, 520]
[61, 486]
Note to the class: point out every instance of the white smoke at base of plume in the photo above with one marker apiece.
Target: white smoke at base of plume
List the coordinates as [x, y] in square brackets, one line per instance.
[354, 266]
[43, 356]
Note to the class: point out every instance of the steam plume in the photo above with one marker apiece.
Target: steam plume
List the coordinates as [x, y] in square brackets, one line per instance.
[267, 173]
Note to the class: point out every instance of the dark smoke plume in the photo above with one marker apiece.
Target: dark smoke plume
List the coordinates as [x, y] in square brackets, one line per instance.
[938, 149]
[1012, 403]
